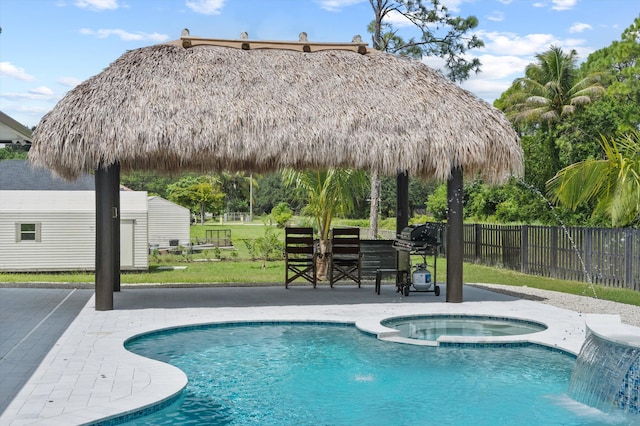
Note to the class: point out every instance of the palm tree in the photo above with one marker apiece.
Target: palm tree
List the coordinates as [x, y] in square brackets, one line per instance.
[550, 90]
[612, 183]
[329, 193]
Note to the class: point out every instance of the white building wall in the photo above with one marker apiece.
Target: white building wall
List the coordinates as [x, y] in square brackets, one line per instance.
[133, 206]
[168, 221]
[67, 230]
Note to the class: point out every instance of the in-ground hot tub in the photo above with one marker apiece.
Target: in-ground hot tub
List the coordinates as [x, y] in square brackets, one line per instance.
[431, 327]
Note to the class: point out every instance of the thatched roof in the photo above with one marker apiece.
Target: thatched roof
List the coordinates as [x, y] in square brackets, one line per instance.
[213, 108]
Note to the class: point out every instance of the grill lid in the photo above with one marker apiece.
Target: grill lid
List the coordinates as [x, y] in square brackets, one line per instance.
[428, 233]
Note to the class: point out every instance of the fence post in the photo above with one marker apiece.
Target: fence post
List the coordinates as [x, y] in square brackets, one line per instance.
[588, 248]
[553, 251]
[524, 249]
[628, 260]
[477, 229]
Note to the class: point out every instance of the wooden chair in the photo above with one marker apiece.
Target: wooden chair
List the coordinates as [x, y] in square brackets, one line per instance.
[300, 256]
[345, 255]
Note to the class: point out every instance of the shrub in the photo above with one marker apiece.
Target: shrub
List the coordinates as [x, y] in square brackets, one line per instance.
[281, 214]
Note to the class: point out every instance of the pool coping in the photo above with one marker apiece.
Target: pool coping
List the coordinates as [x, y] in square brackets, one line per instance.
[89, 376]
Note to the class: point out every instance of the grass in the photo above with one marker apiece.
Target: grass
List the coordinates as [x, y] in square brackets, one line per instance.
[484, 274]
[241, 269]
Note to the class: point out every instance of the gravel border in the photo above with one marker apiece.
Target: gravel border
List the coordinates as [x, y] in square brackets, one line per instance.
[629, 314]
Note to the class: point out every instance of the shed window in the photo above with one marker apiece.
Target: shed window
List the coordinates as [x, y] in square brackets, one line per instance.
[28, 232]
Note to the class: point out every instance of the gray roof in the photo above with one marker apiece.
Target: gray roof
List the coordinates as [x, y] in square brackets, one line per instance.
[20, 175]
[13, 132]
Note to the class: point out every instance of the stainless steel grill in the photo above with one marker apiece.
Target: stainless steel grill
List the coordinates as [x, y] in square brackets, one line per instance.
[420, 238]
[423, 240]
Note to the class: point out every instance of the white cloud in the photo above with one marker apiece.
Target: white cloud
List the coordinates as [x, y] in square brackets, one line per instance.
[125, 35]
[505, 43]
[206, 7]
[514, 44]
[489, 90]
[397, 19]
[69, 81]
[498, 67]
[563, 4]
[452, 5]
[41, 93]
[496, 16]
[434, 62]
[539, 4]
[498, 73]
[505, 1]
[97, 4]
[7, 69]
[579, 27]
[337, 5]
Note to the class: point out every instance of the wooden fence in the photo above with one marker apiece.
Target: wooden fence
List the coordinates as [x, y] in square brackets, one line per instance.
[610, 257]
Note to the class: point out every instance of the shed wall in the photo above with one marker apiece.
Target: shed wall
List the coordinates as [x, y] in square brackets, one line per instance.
[66, 240]
[168, 221]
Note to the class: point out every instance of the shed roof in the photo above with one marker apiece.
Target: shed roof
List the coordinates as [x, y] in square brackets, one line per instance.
[19, 175]
[13, 132]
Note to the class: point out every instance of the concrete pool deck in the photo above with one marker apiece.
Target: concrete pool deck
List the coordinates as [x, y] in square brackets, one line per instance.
[87, 375]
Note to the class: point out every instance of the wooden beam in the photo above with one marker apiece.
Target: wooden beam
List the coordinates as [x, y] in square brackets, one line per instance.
[188, 41]
[455, 236]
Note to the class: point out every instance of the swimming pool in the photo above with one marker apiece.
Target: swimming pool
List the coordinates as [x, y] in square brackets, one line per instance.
[431, 327]
[283, 374]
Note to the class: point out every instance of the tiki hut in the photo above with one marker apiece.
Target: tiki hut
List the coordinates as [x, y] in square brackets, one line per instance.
[241, 105]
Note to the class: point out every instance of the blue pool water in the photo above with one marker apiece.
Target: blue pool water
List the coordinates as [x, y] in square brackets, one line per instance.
[430, 327]
[295, 374]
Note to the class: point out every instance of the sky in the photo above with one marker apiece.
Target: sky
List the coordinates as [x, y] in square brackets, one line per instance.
[47, 47]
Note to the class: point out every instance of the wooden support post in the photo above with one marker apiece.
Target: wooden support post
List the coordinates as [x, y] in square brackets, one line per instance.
[402, 216]
[114, 187]
[455, 236]
[106, 264]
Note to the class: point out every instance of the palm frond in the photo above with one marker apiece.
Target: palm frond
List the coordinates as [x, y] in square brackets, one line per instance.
[578, 183]
[612, 183]
[567, 110]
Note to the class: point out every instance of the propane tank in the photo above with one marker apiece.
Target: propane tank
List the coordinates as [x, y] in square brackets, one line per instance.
[421, 277]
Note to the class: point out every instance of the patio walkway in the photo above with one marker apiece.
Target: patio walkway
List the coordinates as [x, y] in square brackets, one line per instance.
[32, 320]
[88, 375]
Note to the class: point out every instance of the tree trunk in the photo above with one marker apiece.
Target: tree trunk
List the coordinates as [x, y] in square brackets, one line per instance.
[375, 206]
[202, 213]
[377, 29]
[322, 261]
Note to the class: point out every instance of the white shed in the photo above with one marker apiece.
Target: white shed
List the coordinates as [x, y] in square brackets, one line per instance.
[55, 230]
[168, 223]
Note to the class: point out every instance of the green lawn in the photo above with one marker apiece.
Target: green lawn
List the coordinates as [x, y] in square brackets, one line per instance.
[238, 268]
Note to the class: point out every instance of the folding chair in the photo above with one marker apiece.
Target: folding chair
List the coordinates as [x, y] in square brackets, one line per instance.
[300, 256]
[345, 255]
